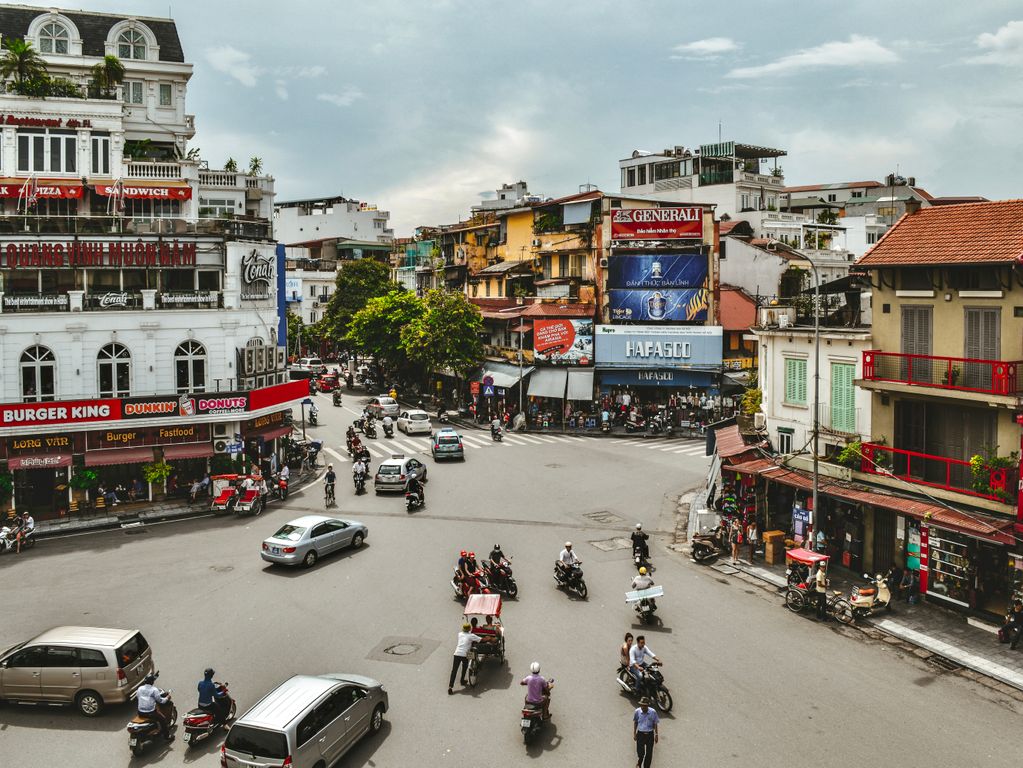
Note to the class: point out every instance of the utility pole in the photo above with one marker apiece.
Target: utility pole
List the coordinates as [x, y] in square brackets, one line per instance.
[816, 389]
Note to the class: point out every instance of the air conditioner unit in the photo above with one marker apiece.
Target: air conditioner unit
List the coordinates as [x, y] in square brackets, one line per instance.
[282, 359]
[760, 421]
[260, 359]
[221, 431]
[250, 361]
[603, 263]
[536, 242]
[220, 446]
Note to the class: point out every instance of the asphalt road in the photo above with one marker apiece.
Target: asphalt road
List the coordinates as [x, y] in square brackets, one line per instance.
[752, 683]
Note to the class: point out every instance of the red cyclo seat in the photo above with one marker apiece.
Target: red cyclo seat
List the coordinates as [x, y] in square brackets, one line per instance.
[249, 496]
[868, 591]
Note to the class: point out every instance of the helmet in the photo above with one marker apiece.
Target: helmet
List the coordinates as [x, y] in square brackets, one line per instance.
[642, 571]
[208, 672]
[497, 546]
[330, 466]
[463, 553]
[639, 526]
[150, 679]
[535, 667]
[472, 554]
[568, 545]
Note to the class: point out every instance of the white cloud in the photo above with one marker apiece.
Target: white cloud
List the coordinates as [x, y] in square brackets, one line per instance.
[854, 52]
[309, 72]
[236, 64]
[708, 48]
[1004, 47]
[345, 98]
[281, 89]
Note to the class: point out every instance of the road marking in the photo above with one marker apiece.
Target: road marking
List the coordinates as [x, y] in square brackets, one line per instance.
[335, 454]
[517, 440]
[696, 450]
[470, 440]
[374, 451]
[407, 447]
[529, 439]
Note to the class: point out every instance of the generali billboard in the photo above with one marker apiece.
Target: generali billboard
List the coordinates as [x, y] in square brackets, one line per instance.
[657, 224]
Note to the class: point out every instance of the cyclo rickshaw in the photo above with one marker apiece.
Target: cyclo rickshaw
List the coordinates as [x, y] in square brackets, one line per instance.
[801, 563]
[225, 492]
[492, 645]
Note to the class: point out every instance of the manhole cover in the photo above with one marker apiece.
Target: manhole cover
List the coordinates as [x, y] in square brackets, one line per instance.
[221, 568]
[402, 649]
[610, 545]
[554, 466]
[942, 663]
[603, 516]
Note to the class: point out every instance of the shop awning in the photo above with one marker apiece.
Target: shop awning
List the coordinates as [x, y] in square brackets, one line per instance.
[49, 189]
[42, 461]
[270, 433]
[580, 385]
[143, 190]
[548, 382]
[112, 456]
[187, 451]
[504, 374]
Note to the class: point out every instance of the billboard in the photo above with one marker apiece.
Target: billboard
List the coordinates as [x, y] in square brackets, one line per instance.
[657, 224]
[563, 342]
[657, 346]
[661, 270]
[674, 304]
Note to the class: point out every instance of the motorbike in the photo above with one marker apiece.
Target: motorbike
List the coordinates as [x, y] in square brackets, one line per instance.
[314, 416]
[532, 716]
[641, 559]
[495, 434]
[360, 483]
[279, 487]
[9, 540]
[651, 685]
[142, 732]
[500, 578]
[336, 398]
[388, 430]
[868, 600]
[605, 426]
[370, 429]
[645, 601]
[475, 585]
[655, 425]
[201, 723]
[571, 578]
[635, 424]
[413, 501]
[442, 416]
[707, 546]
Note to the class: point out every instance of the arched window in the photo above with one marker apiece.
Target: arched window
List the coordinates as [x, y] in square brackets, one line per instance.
[190, 367]
[54, 38]
[38, 374]
[114, 362]
[255, 341]
[131, 44]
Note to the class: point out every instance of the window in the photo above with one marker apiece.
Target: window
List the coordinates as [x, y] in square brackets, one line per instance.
[100, 155]
[114, 367]
[378, 224]
[832, 198]
[631, 177]
[312, 291]
[857, 194]
[795, 381]
[60, 656]
[27, 657]
[562, 265]
[38, 373]
[578, 267]
[131, 45]
[166, 94]
[54, 38]
[190, 367]
[548, 268]
[784, 442]
[90, 657]
[642, 175]
[215, 208]
[843, 398]
[47, 151]
[872, 238]
[132, 91]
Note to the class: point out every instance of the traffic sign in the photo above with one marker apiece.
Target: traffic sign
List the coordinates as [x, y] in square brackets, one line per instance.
[474, 387]
[488, 390]
[488, 380]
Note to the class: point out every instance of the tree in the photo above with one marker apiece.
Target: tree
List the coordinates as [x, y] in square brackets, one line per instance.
[255, 166]
[376, 329]
[447, 334]
[106, 75]
[231, 166]
[827, 216]
[295, 326]
[356, 283]
[20, 61]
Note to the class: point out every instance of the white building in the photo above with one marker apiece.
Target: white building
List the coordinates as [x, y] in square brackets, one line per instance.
[135, 328]
[299, 222]
[309, 284]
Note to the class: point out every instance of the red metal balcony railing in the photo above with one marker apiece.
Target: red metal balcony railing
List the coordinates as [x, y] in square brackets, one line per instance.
[938, 472]
[992, 377]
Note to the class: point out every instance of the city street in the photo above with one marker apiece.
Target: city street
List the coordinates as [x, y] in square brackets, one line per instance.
[752, 683]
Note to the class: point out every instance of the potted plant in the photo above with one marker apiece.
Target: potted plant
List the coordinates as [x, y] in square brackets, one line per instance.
[156, 473]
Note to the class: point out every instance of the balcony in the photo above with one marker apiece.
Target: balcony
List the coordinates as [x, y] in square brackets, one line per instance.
[760, 178]
[244, 227]
[938, 472]
[958, 374]
[838, 421]
[154, 170]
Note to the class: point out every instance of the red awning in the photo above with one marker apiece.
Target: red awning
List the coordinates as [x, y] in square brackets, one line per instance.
[187, 451]
[523, 327]
[43, 461]
[58, 189]
[111, 456]
[140, 190]
[269, 433]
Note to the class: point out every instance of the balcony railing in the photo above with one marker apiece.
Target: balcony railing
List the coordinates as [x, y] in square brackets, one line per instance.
[137, 170]
[991, 377]
[238, 226]
[841, 421]
[938, 472]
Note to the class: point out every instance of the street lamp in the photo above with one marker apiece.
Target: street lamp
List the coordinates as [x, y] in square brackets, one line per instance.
[307, 401]
[816, 390]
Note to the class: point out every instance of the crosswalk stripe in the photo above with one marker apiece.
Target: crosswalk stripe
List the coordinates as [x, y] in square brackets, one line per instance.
[407, 446]
[695, 451]
[472, 440]
[379, 453]
[530, 439]
[335, 454]
[517, 440]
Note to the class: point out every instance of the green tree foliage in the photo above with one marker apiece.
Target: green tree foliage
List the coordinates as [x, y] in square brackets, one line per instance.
[446, 334]
[231, 166]
[20, 61]
[376, 329]
[106, 76]
[357, 283]
[255, 166]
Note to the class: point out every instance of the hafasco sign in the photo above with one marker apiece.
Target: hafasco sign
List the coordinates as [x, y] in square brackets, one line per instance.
[657, 223]
[258, 273]
[651, 346]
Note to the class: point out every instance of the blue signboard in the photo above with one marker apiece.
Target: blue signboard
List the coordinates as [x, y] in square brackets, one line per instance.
[685, 305]
[488, 390]
[657, 270]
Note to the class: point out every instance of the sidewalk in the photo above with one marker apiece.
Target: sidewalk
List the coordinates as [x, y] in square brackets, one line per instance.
[126, 514]
[466, 423]
[968, 643]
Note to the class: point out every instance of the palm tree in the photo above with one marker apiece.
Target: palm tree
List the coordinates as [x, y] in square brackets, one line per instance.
[255, 166]
[107, 75]
[231, 165]
[20, 61]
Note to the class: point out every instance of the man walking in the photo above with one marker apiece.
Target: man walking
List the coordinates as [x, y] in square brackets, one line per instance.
[466, 640]
[644, 732]
[821, 590]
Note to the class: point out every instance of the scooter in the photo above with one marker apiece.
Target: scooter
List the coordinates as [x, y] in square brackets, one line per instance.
[605, 427]
[314, 416]
[280, 487]
[360, 483]
[641, 558]
[500, 578]
[142, 732]
[635, 425]
[645, 602]
[571, 578]
[336, 398]
[201, 723]
[651, 685]
[370, 429]
[442, 416]
[476, 585]
[707, 546]
[388, 430]
[413, 501]
[867, 600]
[9, 540]
[495, 434]
[532, 716]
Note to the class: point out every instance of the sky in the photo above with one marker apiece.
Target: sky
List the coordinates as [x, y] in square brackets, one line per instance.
[426, 107]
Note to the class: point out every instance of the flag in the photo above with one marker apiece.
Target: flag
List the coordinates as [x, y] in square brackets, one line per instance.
[115, 198]
[29, 192]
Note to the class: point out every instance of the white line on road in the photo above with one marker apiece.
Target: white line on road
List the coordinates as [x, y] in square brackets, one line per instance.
[335, 454]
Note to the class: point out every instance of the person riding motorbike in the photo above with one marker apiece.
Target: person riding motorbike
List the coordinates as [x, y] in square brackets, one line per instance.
[495, 427]
[639, 542]
[568, 558]
[538, 689]
[359, 470]
[638, 655]
[350, 437]
[497, 557]
[643, 581]
[415, 487]
[388, 425]
[149, 697]
[329, 479]
[210, 698]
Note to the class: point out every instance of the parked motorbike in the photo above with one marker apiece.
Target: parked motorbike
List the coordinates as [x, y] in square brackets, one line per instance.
[655, 425]
[651, 685]
[707, 546]
[532, 716]
[495, 434]
[142, 732]
[867, 600]
[571, 578]
[500, 578]
[202, 723]
[413, 501]
[442, 416]
[336, 398]
[605, 427]
[636, 424]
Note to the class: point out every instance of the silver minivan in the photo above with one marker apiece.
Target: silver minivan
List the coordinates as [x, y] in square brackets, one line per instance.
[306, 721]
[85, 666]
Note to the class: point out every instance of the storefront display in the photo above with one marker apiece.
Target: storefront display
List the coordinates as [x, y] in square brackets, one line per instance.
[949, 566]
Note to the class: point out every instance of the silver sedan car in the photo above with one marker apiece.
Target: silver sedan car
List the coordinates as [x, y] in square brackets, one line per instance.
[305, 540]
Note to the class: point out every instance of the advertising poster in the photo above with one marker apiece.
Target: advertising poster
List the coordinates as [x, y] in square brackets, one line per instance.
[661, 270]
[563, 342]
[657, 224]
[684, 305]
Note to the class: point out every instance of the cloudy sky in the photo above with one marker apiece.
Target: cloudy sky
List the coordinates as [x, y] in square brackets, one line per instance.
[424, 106]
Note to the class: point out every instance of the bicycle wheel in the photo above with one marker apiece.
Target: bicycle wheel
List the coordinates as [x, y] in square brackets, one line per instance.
[474, 670]
[843, 611]
[795, 600]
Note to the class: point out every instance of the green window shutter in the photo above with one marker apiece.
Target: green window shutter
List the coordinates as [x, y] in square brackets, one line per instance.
[795, 381]
[843, 397]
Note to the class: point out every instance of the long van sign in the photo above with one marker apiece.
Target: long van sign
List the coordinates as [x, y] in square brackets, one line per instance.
[657, 224]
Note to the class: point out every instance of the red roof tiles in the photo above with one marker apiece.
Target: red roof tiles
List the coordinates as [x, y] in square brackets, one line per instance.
[973, 233]
[738, 309]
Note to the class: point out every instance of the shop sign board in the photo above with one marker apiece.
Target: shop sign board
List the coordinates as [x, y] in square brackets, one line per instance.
[654, 346]
[38, 301]
[258, 275]
[99, 254]
[124, 438]
[29, 444]
[563, 342]
[657, 270]
[667, 304]
[657, 223]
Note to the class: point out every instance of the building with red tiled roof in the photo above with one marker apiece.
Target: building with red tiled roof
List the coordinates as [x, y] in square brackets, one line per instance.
[738, 313]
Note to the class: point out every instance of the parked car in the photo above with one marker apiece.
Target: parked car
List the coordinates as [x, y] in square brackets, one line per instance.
[305, 540]
[394, 473]
[414, 422]
[447, 444]
[383, 405]
[306, 721]
[89, 667]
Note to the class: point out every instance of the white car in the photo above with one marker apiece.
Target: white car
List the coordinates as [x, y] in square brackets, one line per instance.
[394, 473]
[414, 422]
[383, 406]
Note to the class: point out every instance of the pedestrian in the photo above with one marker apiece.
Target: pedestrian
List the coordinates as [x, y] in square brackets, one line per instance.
[193, 492]
[821, 590]
[466, 640]
[644, 732]
[1014, 622]
[734, 539]
[751, 538]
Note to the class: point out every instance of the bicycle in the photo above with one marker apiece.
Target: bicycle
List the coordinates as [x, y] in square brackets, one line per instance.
[329, 494]
[797, 599]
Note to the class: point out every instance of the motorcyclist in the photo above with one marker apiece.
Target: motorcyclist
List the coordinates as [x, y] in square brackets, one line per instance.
[149, 698]
[329, 479]
[639, 542]
[538, 689]
[350, 437]
[643, 581]
[415, 487]
[359, 470]
[568, 558]
[638, 655]
[210, 698]
[497, 557]
[388, 424]
[495, 426]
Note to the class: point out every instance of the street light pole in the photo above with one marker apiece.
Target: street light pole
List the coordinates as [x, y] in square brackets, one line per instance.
[816, 389]
[520, 365]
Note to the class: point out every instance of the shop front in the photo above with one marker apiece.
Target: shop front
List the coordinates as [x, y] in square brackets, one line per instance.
[263, 440]
[495, 390]
[973, 573]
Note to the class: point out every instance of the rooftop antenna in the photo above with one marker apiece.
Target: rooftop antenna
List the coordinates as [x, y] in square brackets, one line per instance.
[719, 131]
